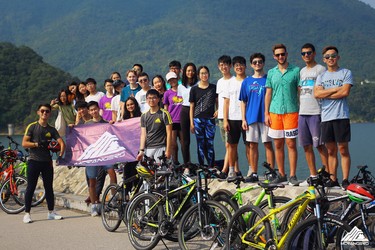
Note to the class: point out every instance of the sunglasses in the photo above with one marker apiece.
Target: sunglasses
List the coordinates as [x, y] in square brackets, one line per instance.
[143, 80]
[309, 53]
[47, 111]
[257, 62]
[280, 54]
[328, 56]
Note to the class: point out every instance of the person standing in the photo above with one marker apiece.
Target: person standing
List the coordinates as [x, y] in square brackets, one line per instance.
[130, 90]
[144, 82]
[253, 90]
[203, 100]
[309, 136]
[224, 64]
[94, 94]
[281, 111]
[156, 129]
[106, 101]
[333, 87]
[232, 115]
[37, 137]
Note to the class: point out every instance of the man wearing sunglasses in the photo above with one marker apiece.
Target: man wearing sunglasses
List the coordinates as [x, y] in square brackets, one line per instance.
[37, 137]
[309, 110]
[333, 87]
[281, 111]
[144, 82]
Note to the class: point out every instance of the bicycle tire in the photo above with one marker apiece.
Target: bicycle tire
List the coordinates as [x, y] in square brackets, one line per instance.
[216, 220]
[13, 203]
[305, 235]
[143, 224]
[239, 224]
[225, 198]
[112, 207]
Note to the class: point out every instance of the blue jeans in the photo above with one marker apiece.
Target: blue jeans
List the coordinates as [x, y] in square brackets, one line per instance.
[205, 134]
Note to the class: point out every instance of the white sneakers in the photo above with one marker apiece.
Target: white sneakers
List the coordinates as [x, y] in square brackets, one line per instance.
[51, 216]
[94, 210]
[54, 216]
[27, 218]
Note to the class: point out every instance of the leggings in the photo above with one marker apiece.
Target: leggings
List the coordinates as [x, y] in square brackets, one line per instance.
[205, 134]
[33, 171]
[185, 130]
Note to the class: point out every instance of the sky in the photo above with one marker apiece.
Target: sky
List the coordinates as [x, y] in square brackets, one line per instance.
[370, 2]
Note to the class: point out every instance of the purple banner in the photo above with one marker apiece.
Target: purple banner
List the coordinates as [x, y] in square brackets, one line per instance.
[101, 144]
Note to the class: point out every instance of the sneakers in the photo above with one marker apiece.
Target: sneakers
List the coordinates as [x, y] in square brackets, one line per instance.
[253, 177]
[27, 218]
[293, 181]
[239, 174]
[231, 174]
[94, 210]
[222, 176]
[344, 184]
[54, 216]
[332, 184]
[280, 179]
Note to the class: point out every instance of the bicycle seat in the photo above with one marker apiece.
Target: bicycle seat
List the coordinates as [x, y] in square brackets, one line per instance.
[270, 186]
[163, 173]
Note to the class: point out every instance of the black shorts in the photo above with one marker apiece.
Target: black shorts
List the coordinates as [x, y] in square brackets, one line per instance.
[336, 131]
[176, 126]
[235, 132]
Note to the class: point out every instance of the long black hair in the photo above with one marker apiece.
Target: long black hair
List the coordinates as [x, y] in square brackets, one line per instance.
[137, 110]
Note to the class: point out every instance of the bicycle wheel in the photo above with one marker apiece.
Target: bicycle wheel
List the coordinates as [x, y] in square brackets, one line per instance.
[258, 236]
[13, 203]
[207, 233]
[306, 234]
[145, 216]
[225, 198]
[112, 207]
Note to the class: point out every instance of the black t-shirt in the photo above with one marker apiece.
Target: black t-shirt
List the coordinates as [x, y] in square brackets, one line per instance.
[37, 134]
[204, 100]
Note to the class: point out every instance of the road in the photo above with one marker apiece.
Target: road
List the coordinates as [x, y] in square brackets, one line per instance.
[78, 230]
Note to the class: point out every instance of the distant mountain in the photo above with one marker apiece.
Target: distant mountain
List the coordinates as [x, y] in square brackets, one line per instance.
[92, 38]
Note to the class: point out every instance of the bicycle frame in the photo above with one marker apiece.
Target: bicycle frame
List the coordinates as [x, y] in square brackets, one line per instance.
[303, 199]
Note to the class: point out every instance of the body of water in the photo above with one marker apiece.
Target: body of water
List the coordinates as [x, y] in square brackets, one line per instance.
[361, 150]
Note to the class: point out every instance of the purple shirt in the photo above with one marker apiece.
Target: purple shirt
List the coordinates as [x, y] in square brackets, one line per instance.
[174, 103]
[105, 105]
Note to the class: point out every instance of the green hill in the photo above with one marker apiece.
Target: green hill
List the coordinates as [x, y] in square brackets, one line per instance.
[93, 37]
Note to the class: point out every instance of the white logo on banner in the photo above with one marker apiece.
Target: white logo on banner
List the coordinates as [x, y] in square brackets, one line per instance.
[355, 237]
[104, 149]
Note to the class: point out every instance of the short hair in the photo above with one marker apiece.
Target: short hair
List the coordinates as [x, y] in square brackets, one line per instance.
[239, 59]
[203, 67]
[278, 46]
[92, 103]
[308, 46]
[152, 92]
[47, 105]
[224, 59]
[131, 71]
[108, 80]
[257, 55]
[138, 65]
[90, 80]
[175, 63]
[80, 104]
[325, 49]
[144, 74]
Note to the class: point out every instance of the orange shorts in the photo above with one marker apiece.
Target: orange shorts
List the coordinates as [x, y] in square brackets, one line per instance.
[283, 126]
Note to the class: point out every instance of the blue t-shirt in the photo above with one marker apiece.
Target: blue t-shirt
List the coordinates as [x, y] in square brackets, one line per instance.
[252, 92]
[127, 91]
[334, 109]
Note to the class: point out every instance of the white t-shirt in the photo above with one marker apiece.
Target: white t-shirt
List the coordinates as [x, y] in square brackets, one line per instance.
[184, 92]
[115, 106]
[233, 93]
[309, 105]
[141, 99]
[95, 97]
[221, 85]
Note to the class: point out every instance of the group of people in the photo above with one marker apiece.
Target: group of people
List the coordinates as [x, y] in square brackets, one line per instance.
[274, 107]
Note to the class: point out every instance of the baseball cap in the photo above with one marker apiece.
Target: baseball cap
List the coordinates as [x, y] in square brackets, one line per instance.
[170, 75]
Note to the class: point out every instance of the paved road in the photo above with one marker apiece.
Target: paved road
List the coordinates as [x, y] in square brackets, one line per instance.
[78, 230]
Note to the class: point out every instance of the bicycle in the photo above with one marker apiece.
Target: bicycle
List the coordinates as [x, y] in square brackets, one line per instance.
[251, 227]
[234, 201]
[155, 216]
